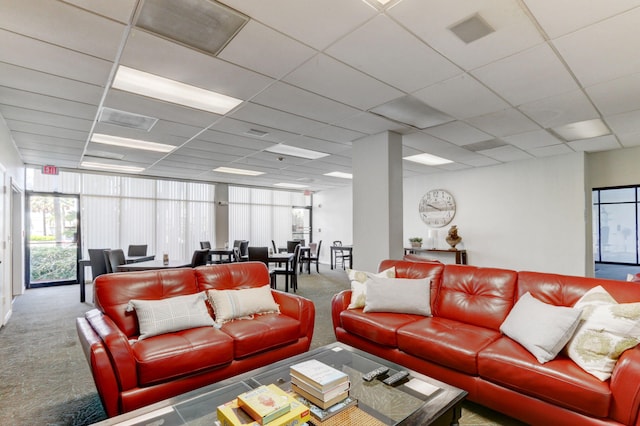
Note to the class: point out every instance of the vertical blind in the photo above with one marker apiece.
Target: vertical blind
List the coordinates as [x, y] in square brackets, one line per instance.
[168, 216]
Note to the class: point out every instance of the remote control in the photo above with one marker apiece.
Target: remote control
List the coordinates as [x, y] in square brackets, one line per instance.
[396, 378]
[374, 373]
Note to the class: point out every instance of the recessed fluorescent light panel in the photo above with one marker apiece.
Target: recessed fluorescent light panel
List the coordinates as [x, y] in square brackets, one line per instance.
[111, 167]
[428, 159]
[340, 175]
[413, 112]
[131, 143]
[294, 151]
[256, 132]
[290, 185]
[582, 130]
[234, 171]
[126, 119]
[153, 86]
[472, 29]
[204, 24]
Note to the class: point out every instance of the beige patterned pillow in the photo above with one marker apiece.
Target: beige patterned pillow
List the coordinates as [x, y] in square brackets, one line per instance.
[241, 304]
[358, 288]
[606, 330]
[170, 314]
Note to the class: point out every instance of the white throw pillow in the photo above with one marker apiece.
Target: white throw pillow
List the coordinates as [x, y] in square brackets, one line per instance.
[400, 295]
[607, 330]
[242, 303]
[170, 314]
[542, 329]
[358, 288]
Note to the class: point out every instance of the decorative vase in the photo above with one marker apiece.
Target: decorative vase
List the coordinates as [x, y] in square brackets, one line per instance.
[416, 244]
[453, 238]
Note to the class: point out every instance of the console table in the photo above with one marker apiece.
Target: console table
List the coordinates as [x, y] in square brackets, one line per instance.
[461, 255]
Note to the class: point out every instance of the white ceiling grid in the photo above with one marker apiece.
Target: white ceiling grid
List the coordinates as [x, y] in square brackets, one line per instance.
[309, 72]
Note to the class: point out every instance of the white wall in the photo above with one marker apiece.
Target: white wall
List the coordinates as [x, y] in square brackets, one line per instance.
[11, 172]
[332, 219]
[614, 168]
[527, 215]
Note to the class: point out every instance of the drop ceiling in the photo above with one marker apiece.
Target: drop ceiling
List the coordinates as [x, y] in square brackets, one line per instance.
[318, 75]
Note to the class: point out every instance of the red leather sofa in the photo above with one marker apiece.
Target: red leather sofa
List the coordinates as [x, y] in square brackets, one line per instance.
[131, 373]
[461, 344]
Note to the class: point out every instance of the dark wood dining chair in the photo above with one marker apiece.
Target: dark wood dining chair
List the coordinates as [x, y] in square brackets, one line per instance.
[98, 262]
[291, 245]
[314, 256]
[115, 258]
[199, 257]
[291, 273]
[205, 245]
[341, 254]
[244, 250]
[259, 254]
[137, 250]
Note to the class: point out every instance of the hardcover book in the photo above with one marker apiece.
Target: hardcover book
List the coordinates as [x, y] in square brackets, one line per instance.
[322, 403]
[320, 375]
[230, 414]
[321, 414]
[325, 396]
[265, 403]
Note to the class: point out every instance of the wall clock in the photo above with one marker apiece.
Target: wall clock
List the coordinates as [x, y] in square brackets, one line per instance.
[437, 208]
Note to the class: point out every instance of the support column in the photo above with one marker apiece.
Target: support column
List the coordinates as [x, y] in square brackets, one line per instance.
[222, 214]
[377, 200]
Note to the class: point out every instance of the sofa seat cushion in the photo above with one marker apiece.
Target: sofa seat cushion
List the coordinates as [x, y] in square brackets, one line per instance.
[446, 342]
[171, 355]
[263, 332]
[559, 381]
[378, 327]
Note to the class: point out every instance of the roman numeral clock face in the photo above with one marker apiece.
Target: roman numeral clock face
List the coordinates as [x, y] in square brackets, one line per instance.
[437, 208]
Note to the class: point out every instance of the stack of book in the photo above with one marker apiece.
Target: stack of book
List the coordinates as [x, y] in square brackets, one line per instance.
[266, 406]
[321, 385]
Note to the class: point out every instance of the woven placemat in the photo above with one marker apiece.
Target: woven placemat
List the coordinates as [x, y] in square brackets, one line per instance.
[352, 416]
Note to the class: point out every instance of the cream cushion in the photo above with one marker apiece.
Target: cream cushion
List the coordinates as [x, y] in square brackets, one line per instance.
[541, 328]
[243, 303]
[358, 288]
[399, 295]
[171, 314]
[606, 330]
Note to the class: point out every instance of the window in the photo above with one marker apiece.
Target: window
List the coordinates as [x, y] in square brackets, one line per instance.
[615, 224]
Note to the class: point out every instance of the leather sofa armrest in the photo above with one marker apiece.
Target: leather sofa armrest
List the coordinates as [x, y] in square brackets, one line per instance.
[297, 307]
[339, 303]
[100, 366]
[625, 387]
[118, 347]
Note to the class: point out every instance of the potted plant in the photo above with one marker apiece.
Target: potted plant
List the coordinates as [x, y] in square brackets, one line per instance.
[415, 241]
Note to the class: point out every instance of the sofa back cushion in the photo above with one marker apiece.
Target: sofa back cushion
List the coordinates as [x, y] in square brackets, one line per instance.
[232, 276]
[416, 270]
[477, 296]
[112, 292]
[565, 290]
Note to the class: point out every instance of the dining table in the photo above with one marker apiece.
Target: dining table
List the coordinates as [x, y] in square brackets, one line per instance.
[83, 263]
[154, 264]
[221, 252]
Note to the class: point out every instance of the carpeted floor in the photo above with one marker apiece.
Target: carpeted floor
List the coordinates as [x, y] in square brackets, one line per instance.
[45, 379]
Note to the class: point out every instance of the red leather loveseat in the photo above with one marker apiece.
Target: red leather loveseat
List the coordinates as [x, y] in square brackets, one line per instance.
[130, 372]
[461, 344]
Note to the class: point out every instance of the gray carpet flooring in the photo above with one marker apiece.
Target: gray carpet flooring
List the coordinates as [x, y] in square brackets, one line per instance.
[45, 379]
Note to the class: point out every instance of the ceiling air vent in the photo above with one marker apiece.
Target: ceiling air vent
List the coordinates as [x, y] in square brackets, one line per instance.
[126, 119]
[471, 29]
[484, 145]
[256, 132]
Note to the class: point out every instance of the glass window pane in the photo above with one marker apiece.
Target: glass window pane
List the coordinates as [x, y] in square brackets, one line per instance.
[618, 195]
[618, 233]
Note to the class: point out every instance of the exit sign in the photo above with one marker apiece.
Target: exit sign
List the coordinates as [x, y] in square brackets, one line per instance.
[49, 170]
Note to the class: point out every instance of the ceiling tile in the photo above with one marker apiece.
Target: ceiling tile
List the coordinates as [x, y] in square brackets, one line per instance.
[461, 97]
[604, 51]
[616, 96]
[372, 124]
[317, 145]
[327, 77]
[504, 123]
[372, 49]
[273, 118]
[37, 102]
[266, 51]
[459, 133]
[531, 140]
[549, 151]
[602, 143]
[121, 10]
[312, 22]
[562, 109]
[528, 76]
[429, 20]
[506, 154]
[45, 118]
[336, 134]
[624, 124]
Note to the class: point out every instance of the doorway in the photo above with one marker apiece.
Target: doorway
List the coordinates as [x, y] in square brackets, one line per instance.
[52, 239]
[301, 223]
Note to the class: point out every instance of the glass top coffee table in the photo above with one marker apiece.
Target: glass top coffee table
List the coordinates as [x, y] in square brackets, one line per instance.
[419, 400]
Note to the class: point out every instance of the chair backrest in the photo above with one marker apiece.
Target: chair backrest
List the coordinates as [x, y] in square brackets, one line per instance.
[137, 250]
[296, 259]
[244, 248]
[236, 243]
[199, 257]
[98, 262]
[115, 258]
[301, 241]
[337, 243]
[205, 245]
[273, 244]
[291, 245]
[259, 254]
[236, 254]
[313, 249]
